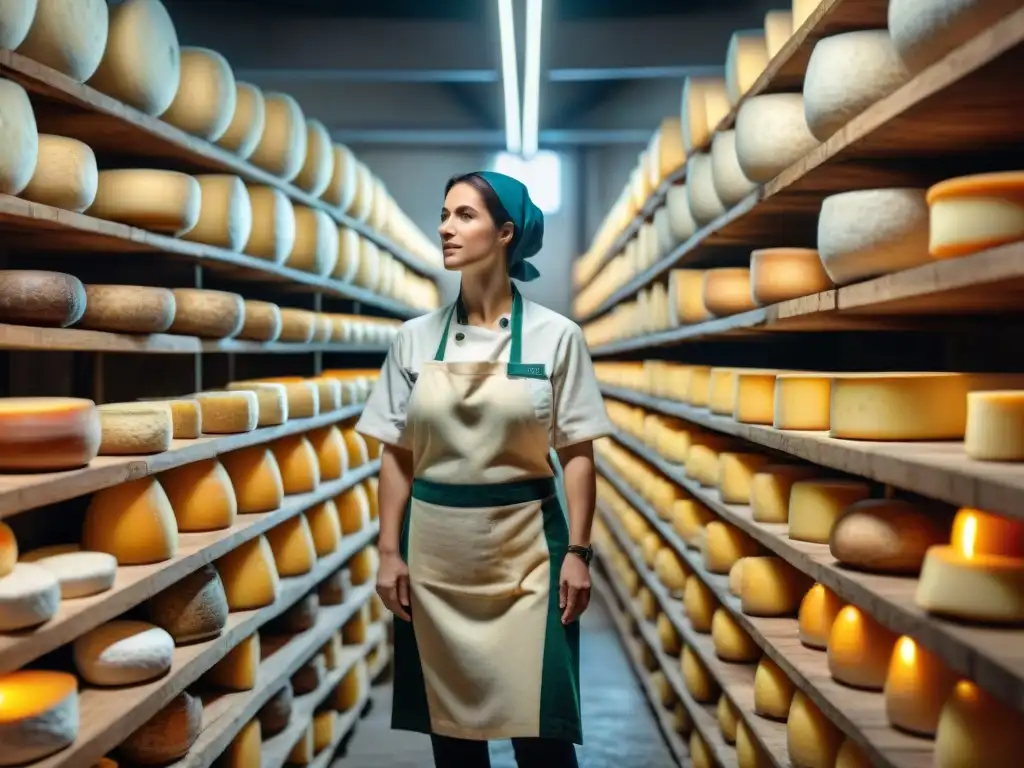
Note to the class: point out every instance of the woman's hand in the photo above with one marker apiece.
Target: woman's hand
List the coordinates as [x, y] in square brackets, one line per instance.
[393, 584]
[574, 588]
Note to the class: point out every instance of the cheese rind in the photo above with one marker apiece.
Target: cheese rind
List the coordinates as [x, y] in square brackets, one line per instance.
[995, 426]
[66, 175]
[977, 729]
[207, 314]
[192, 609]
[29, 596]
[802, 402]
[771, 134]
[201, 496]
[816, 505]
[272, 400]
[778, 28]
[41, 298]
[15, 21]
[128, 309]
[160, 201]
[225, 218]
[699, 682]
[262, 321]
[246, 126]
[917, 685]
[732, 643]
[318, 165]
[886, 535]
[123, 652]
[273, 224]
[256, 479]
[300, 469]
[81, 574]
[973, 213]
[249, 575]
[19, 138]
[730, 182]
[168, 735]
[745, 60]
[771, 587]
[135, 429]
[229, 413]
[38, 714]
[282, 147]
[818, 611]
[726, 291]
[811, 738]
[239, 670]
[244, 750]
[705, 204]
[773, 690]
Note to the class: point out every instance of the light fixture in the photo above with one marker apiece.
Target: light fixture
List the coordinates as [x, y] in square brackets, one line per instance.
[531, 78]
[510, 77]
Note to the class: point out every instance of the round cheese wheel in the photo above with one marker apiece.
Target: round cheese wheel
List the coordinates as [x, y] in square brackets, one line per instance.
[812, 739]
[318, 167]
[730, 183]
[81, 574]
[745, 60]
[359, 207]
[192, 609]
[29, 596]
[205, 101]
[705, 204]
[726, 291]
[201, 496]
[316, 242]
[19, 137]
[246, 127]
[273, 224]
[859, 649]
[48, 433]
[886, 535]
[225, 218]
[38, 713]
[68, 37]
[15, 20]
[281, 149]
[275, 715]
[128, 309]
[349, 252]
[846, 74]
[262, 321]
[309, 675]
[65, 176]
[48, 299]
[207, 314]
[976, 212]
[780, 274]
[342, 188]
[141, 63]
[123, 652]
[778, 28]
[167, 736]
[167, 202]
[771, 134]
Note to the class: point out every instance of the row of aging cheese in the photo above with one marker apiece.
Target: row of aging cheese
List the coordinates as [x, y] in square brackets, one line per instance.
[39, 710]
[984, 410]
[862, 234]
[59, 300]
[62, 433]
[920, 695]
[130, 51]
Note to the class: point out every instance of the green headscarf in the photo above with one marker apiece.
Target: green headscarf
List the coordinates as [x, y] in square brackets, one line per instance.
[527, 219]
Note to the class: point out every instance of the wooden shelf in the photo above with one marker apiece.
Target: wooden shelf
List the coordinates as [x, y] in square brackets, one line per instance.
[938, 470]
[29, 226]
[859, 714]
[109, 126]
[28, 491]
[109, 715]
[135, 583]
[935, 116]
[735, 680]
[618, 601]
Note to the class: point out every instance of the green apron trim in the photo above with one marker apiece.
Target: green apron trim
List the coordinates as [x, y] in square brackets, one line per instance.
[483, 495]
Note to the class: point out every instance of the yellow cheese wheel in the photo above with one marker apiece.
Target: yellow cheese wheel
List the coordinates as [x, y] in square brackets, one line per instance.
[701, 755]
[668, 635]
[205, 101]
[246, 126]
[318, 166]
[166, 202]
[226, 215]
[745, 60]
[256, 479]
[728, 719]
[331, 454]
[818, 612]
[192, 609]
[249, 575]
[726, 291]
[128, 309]
[316, 242]
[244, 749]
[363, 565]
[352, 688]
[781, 274]
[8, 549]
[273, 224]
[724, 544]
[282, 147]
[995, 426]
[208, 314]
[292, 545]
[976, 729]
[770, 490]
[324, 527]
[749, 754]
[732, 643]
[271, 401]
[353, 509]
[38, 714]
[802, 401]
[917, 685]
[135, 429]
[300, 468]
[132, 521]
[812, 740]
[65, 176]
[228, 413]
[778, 28]
[699, 682]
[689, 517]
[700, 605]
[771, 587]
[201, 496]
[816, 505]
[773, 690]
[239, 670]
[736, 473]
[851, 755]
[671, 571]
[262, 321]
[859, 649]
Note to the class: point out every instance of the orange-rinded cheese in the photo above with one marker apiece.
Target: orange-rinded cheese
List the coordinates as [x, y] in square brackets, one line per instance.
[226, 216]
[859, 649]
[168, 735]
[48, 433]
[726, 291]
[331, 452]
[303, 395]
[273, 224]
[316, 242]
[38, 714]
[192, 609]
[780, 274]
[302, 753]
[325, 724]
[256, 479]
[132, 521]
[292, 545]
[818, 611]
[318, 166]
[300, 469]
[8, 549]
[773, 690]
[325, 528]
[973, 213]
[201, 496]
[160, 201]
[353, 632]
[249, 575]
[699, 682]
[363, 565]
[371, 487]
[65, 175]
[811, 738]
[353, 509]
[239, 670]
[244, 751]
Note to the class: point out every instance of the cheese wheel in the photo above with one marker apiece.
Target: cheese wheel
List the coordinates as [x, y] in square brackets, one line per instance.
[812, 740]
[802, 401]
[749, 754]
[347, 266]
[193, 609]
[256, 478]
[331, 453]
[917, 685]
[369, 273]
[123, 652]
[38, 713]
[886, 536]
[701, 755]
[671, 572]
[331, 591]
[732, 643]
[362, 202]
[128, 309]
[773, 690]
[166, 202]
[33, 297]
[15, 21]
[245, 749]
[324, 527]
[700, 605]
[282, 147]
[300, 469]
[48, 433]
[341, 190]
[778, 28]
[299, 617]
[226, 216]
[262, 321]
[724, 544]
[205, 101]
[249, 575]
[8, 550]
[239, 670]
[363, 566]
[135, 429]
[705, 204]
[728, 719]
[686, 296]
[802, 11]
[293, 547]
[132, 521]
[141, 63]
[745, 60]
[680, 220]
[977, 729]
[186, 419]
[276, 713]
[81, 574]
[771, 587]
[309, 676]
[973, 213]
[201, 496]
[273, 224]
[29, 596]
[168, 735]
[730, 183]
[207, 314]
[246, 127]
[229, 413]
[353, 510]
[851, 755]
[65, 175]
[846, 74]
[816, 505]
[318, 166]
[272, 401]
[705, 101]
[726, 291]
[770, 490]
[859, 649]
[316, 242]
[699, 682]
[736, 578]
[995, 426]
[818, 611]
[19, 137]
[866, 233]
[771, 134]
[781, 274]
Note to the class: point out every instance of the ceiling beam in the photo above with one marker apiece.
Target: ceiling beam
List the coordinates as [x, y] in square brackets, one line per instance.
[491, 139]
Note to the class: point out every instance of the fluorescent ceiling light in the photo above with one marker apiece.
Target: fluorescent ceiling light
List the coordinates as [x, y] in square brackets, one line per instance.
[531, 83]
[510, 77]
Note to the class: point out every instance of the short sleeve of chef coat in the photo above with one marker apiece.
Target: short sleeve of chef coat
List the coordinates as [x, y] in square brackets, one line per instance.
[579, 406]
[384, 413]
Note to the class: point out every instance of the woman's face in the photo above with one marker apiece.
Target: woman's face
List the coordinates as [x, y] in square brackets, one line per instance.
[469, 237]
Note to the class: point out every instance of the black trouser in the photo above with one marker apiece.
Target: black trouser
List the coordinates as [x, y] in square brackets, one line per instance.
[530, 753]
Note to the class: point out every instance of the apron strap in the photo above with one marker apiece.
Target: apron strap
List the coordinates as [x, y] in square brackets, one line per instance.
[443, 344]
[515, 354]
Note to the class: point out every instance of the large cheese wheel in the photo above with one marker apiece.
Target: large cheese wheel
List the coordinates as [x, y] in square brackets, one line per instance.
[65, 176]
[730, 183]
[870, 232]
[886, 535]
[705, 102]
[29, 596]
[318, 167]
[812, 740]
[229, 413]
[38, 712]
[205, 101]
[201, 496]
[273, 224]
[226, 215]
[341, 190]
[771, 134]
[135, 429]
[244, 749]
[167, 202]
[128, 309]
[976, 212]
[19, 137]
[347, 266]
[275, 714]
[50, 299]
[15, 21]
[282, 146]
[780, 274]
[705, 204]
[239, 670]
[859, 649]
[745, 60]
[778, 28]
[141, 63]
[132, 521]
[69, 37]
[726, 291]
[249, 575]
[316, 242]
[123, 652]
[48, 433]
[246, 127]
[192, 609]
[846, 74]
[208, 314]
[262, 321]
[167, 736]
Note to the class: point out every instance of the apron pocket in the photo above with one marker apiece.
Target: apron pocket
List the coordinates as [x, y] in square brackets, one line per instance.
[542, 399]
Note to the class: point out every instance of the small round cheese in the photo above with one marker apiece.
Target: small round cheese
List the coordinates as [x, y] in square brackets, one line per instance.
[15, 21]
[730, 183]
[48, 433]
[207, 314]
[745, 60]
[65, 176]
[726, 291]
[68, 37]
[859, 649]
[81, 574]
[38, 713]
[246, 127]
[699, 682]
[700, 605]
[262, 321]
[275, 715]
[680, 220]
[732, 643]
[886, 536]
[316, 242]
[273, 224]
[192, 609]
[318, 167]
[995, 426]
[49, 299]
[29, 596]
[168, 735]
[781, 274]
[705, 204]
[226, 216]
[771, 587]
[749, 754]
[671, 643]
[771, 134]
[166, 202]
[282, 146]
[123, 652]
[811, 738]
[773, 690]
[818, 611]
[19, 137]
[229, 413]
[128, 309]
[205, 101]
[917, 685]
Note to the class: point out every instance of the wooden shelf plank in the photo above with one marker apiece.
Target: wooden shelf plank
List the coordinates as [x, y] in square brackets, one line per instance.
[859, 714]
[28, 491]
[135, 583]
[109, 126]
[22, 221]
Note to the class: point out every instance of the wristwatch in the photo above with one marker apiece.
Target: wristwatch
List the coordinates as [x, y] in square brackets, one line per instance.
[586, 553]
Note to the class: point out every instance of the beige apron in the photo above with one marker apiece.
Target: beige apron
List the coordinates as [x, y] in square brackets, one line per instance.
[486, 655]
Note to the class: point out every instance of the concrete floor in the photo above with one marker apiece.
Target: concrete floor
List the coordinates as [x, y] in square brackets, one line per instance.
[618, 725]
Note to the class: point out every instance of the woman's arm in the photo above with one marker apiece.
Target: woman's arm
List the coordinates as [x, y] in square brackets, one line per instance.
[579, 481]
[393, 489]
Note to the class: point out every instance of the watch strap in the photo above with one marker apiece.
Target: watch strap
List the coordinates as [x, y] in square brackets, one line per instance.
[586, 553]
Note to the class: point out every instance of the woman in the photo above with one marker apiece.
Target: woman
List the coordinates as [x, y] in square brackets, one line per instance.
[476, 558]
